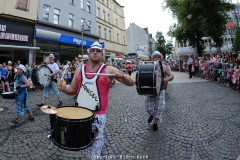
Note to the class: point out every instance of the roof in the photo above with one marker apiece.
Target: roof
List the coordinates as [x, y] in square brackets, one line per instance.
[117, 3]
[230, 25]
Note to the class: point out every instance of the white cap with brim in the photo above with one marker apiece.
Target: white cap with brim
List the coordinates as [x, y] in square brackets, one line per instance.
[157, 53]
[22, 67]
[96, 45]
[51, 55]
[85, 57]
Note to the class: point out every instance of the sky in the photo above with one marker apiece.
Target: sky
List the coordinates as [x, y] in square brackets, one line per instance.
[147, 14]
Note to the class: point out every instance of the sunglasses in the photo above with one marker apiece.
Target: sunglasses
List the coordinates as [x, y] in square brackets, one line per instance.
[95, 50]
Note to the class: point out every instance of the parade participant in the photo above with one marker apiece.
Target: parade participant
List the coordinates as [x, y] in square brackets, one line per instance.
[21, 101]
[55, 70]
[155, 105]
[4, 78]
[102, 84]
[80, 62]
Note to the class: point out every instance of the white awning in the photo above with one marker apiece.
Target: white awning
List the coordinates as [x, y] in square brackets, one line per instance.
[18, 47]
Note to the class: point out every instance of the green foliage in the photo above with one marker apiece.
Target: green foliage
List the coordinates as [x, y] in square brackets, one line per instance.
[162, 46]
[197, 19]
[236, 44]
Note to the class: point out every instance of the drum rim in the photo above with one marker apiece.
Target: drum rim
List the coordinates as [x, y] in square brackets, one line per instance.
[75, 120]
[8, 93]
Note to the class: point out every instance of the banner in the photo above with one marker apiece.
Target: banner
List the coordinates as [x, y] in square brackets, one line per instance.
[141, 49]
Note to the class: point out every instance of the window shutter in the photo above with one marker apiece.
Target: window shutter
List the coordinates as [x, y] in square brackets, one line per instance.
[22, 4]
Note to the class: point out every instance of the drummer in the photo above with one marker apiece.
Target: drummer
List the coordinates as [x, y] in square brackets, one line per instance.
[21, 89]
[155, 105]
[101, 84]
[55, 70]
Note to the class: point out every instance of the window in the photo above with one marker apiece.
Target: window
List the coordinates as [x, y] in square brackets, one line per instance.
[110, 35]
[82, 4]
[103, 1]
[123, 25]
[99, 31]
[109, 18]
[105, 33]
[124, 41]
[118, 38]
[114, 8]
[70, 21]
[71, 1]
[56, 16]
[116, 22]
[88, 7]
[82, 24]
[46, 13]
[89, 26]
[107, 2]
[104, 16]
[22, 4]
[98, 12]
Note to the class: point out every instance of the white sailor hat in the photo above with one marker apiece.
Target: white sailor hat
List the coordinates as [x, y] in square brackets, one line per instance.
[22, 67]
[96, 45]
[157, 53]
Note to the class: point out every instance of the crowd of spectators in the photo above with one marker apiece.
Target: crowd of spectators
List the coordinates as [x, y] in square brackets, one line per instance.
[220, 68]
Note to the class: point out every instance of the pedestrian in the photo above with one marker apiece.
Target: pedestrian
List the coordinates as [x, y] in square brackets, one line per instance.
[155, 105]
[98, 86]
[55, 70]
[21, 98]
[190, 66]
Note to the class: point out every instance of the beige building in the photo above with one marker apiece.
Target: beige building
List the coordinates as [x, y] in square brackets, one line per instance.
[111, 27]
[24, 10]
[17, 23]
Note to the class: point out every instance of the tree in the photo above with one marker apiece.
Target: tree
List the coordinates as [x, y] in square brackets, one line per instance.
[197, 19]
[236, 44]
[161, 44]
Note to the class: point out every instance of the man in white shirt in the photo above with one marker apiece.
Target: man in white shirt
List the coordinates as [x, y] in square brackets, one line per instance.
[55, 70]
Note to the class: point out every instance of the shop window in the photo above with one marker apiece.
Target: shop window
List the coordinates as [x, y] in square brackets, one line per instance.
[70, 21]
[82, 4]
[22, 4]
[89, 26]
[105, 33]
[110, 35]
[46, 10]
[118, 38]
[56, 17]
[88, 7]
[99, 31]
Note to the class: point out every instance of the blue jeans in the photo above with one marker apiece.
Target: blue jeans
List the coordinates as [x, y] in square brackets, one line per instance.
[54, 87]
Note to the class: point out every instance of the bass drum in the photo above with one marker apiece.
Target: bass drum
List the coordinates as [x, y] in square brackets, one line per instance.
[72, 128]
[34, 77]
[149, 77]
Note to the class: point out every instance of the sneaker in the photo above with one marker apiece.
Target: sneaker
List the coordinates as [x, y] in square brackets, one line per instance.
[155, 127]
[160, 120]
[31, 118]
[150, 118]
[14, 122]
[40, 105]
[60, 104]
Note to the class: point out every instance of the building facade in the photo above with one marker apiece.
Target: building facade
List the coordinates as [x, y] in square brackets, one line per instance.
[111, 27]
[65, 28]
[17, 21]
[138, 41]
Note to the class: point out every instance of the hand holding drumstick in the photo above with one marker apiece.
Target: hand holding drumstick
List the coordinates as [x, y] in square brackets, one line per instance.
[60, 82]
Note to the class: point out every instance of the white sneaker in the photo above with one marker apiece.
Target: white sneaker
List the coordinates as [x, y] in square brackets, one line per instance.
[160, 120]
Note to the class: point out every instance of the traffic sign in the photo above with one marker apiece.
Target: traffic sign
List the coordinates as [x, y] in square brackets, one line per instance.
[102, 44]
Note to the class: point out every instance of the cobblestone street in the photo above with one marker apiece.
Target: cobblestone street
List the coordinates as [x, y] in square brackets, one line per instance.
[201, 121]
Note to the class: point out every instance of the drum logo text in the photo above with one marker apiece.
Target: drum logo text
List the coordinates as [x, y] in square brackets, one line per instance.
[89, 92]
[62, 131]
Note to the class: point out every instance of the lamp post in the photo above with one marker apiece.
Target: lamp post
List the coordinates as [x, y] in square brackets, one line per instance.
[84, 28]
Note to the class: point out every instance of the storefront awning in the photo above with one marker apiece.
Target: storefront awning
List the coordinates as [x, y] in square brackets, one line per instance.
[18, 47]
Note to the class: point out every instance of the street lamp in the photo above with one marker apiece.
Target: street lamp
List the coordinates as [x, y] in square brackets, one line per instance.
[84, 29]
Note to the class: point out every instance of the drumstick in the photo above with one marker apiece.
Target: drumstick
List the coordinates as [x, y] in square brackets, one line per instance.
[103, 74]
[65, 71]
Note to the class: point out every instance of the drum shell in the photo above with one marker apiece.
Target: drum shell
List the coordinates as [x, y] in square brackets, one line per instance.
[8, 96]
[71, 134]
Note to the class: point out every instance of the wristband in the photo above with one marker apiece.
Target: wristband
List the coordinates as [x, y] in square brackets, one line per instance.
[168, 79]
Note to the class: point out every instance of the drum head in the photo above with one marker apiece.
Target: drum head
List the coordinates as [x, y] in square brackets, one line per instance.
[42, 75]
[74, 113]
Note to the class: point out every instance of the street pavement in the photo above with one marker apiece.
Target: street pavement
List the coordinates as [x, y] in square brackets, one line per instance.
[200, 121]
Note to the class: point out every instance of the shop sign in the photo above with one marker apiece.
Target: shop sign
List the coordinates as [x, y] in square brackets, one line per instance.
[118, 54]
[11, 36]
